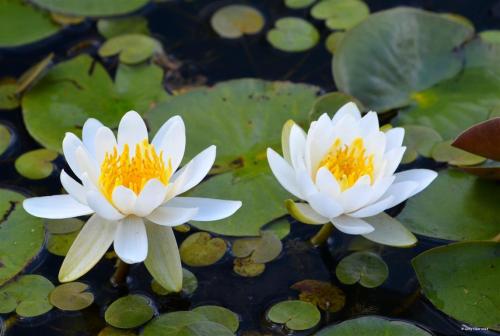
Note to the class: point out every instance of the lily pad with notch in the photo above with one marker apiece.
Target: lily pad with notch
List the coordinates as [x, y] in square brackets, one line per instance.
[220, 315]
[367, 268]
[293, 34]
[71, 296]
[233, 21]
[261, 250]
[130, 48]
[340, 14]
[294, 314]
[201, 249]
[248, 268]
[129, 311]
[110, 28]
[36, 164]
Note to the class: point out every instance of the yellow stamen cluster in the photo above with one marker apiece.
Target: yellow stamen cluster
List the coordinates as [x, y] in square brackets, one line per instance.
[348, 162]
[133, 171]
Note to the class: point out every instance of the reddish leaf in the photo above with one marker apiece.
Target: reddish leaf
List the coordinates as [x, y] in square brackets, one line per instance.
[489, 170]
[322, 294]
[482, 139]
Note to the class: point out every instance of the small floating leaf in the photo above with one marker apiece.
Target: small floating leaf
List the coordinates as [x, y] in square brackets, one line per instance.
[61, 226]
[340, 14]
[220, 315]
[129, 311]
[59, 244]
[5, 138]
[71, 296]
[373, 326]
[8, 97]
[36, 164]
[91, 7]
[189, 284]
[445, 152]
[120, 26]
[235, 20]
[200, 249]
[419, 140]
[260, 250]
[295, 4]
[333, 40]
[28, 295]
[293, 35]
[184, 323]
[131, 48]
[322, 294]
[367, 268]
[246, 267]
[295, 314]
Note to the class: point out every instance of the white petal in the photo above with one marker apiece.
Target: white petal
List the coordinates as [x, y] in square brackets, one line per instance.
[380, 187]
[297, 147]
[319, 141]
[423, 177]
[171, 139]
[124, 199]
[393, 158]
[351, 225]
[357, 196]
[102, 206]
[171, 215]
[304, 213]
[87, 164]
[69, 145]
[73, 188]
[209, 209]
[348, 109]
[285, 140]
[88, 248]
[373, 209]
[151, 196]
[55, 207]
[327, 183]
[197, 169]
[325, 205]
[104, 142]
[131, 130]
[394, 138]
[283, 172]
[305, 183]
[400, 191]
[88, 134]
[369, 124]
[131, 240]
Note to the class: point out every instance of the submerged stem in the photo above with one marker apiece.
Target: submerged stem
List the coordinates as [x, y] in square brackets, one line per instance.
[120, 274]
[322, 235]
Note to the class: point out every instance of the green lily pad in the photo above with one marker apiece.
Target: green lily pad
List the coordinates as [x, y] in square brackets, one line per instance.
[419, 140]
[340, 14]
[71, 296]
[462, 280]
[234, 21]
[21, 235]
[62, 226]
[91, 7]
[8, 97]
[242, 118]
[220, 315]
[28, 296]
[280, 227]
[367, 268]
[184, 323]
[445, 152]
[14, 32]
[468, 208]
[69, 94]
[200, 249]
[293, 34]
[129, 311]
[110, 331]
[373, 326]
[189, 284]
[34, 73]
[333, 40]
[36, 164]
[322, 294]
[295, 314]
[261, 250]
[59, 244]
[394, 53]
[131, 48]
[330, 103]
[490, 36]
[296, 4]
[110, 28]
[5, 138]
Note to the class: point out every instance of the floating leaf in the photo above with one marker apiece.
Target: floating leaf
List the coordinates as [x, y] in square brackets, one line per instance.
[27, 295]
[482, 139]
[456, 206]
[244, 109]
[389, 231]
[184, 323]
[419, 140]
[367, 268]
[34, 73]
[445, 152]
[330, 103]
[120, 26]
[333, 40]
[36, 164]
[129, 311]
[200, 249]
[340, 14]
[462, 281]
[235, 20]
[293, 35]
[409, 50]
[189, 284]
[295, 314]
[71, 296]
[110, 331]
[488, 170]
[14, 30]
[66, 20]
[5, 138]
[59, 244]
[91, 7]
[131, 48]
[261, 250]
[68, 95]
[61, 226]
[220, 315]
[246, 267]
[8, 97]
[322, 294]
[373, 326]
[280, 227]
[21, 235]
[490, 36]
[296, 4]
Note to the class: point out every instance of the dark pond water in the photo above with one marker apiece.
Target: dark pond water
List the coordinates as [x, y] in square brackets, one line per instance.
[184, 29]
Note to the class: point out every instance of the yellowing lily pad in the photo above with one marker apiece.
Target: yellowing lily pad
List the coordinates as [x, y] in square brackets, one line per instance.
[235, 20]
[248, 268]
[8, 97]
[5, 138]
[91, 7]
[200, 249]
[220, 315]
[36, 164]
[322, 294]
[261, 250]
[293, 34]
[28, 296]
[333, 40]
[340, 14]
[131, 48]
[59, 244]
[367, 268]
[189, 284]
[71, 296]
[445, 152]
[295, 314]
[129, 311]
[120, 26]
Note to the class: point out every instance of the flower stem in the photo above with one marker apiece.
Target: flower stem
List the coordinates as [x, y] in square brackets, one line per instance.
[322, 235]
[120, 274]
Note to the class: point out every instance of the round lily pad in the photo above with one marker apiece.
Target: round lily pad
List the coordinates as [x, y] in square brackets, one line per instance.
[200, 249]
[468, 208]
[129, 311]
[340, 14]
[462, 280]
[445, 152]
[419, 140]
[367, 268]
[322, 294]
[248, 268]
[293, 34]
[21, 235]
[333, 40]
[189, 284]
[220, 315]
[8, 97]
[5, 138]
[235, 20]
[260, 250]
[295, 314]
[120, 26]
[373, 326]
[36, 164]
[184, 323]
[28, 296]
[59, 244]
[71, 296]
[131, 48]
[68, 95]
[91, 7]
[61, 226]
[295, 4]
[14, 30]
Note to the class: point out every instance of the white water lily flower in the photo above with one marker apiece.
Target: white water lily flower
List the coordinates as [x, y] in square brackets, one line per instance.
[344, 169]
[130, 187]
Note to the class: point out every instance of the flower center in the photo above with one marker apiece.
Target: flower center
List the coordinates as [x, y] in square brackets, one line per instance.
[348, 162]
[135, 171]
